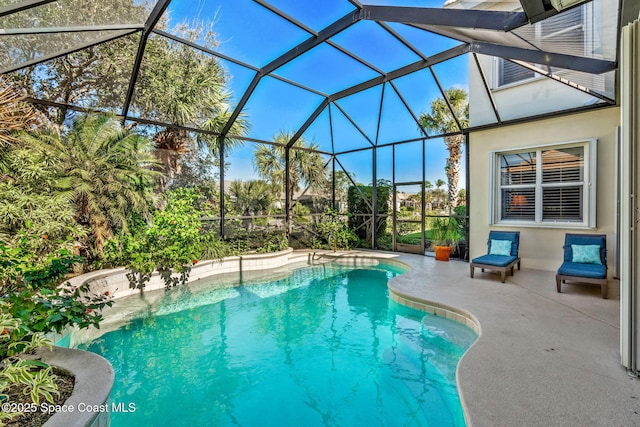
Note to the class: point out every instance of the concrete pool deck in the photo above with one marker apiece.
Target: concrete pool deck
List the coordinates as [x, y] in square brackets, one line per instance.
[543, 358]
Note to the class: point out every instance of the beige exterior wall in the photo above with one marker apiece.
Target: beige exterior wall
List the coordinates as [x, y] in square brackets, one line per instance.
[540, 247]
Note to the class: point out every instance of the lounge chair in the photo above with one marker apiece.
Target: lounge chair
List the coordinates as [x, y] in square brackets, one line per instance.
[585, 260]
[502, 254]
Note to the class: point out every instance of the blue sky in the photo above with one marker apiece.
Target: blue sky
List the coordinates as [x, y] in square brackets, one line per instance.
[255, 35]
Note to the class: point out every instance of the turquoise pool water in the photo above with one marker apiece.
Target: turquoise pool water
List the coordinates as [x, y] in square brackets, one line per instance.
[318, 346]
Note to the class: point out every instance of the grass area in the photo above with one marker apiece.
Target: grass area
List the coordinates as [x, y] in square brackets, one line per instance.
[413, 238]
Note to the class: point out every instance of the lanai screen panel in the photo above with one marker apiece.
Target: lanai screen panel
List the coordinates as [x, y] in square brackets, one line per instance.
[329, 50]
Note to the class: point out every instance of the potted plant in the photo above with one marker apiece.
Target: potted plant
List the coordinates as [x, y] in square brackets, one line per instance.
[444, 235]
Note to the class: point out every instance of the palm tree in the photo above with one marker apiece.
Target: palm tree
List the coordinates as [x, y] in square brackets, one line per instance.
[28, 200]
[252, 197]
[305, 167]
[442, 119]
[15, 114]
[439, 192]
[103, 169]
[428, 194]
[197, 97]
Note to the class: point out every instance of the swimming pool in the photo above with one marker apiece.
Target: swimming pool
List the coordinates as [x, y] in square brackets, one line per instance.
[316, 346]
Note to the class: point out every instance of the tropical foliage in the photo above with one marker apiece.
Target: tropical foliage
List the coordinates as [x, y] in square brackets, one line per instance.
[251, 197]
[175, 240]
[102, 169]
[93, 77]
[306, 167]
[183, 86]
[176, 84]
[15, 114]
[33, 305]
[450, 121]
[333, 228]
[30, 286]
[446, 231]
[35, 378]
[361, 209]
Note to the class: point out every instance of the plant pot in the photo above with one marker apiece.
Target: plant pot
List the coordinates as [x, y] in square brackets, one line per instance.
[442, 252]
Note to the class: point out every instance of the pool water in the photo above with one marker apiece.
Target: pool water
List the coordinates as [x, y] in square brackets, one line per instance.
[320, 346]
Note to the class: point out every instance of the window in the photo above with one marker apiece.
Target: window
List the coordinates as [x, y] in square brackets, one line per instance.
[512, 73]
[547, 185]
[562, 33]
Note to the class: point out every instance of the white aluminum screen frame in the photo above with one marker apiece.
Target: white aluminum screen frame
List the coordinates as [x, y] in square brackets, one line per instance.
[630, 184]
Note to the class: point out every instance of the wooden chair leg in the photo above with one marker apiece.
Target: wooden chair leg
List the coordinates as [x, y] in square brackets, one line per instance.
[603, 289]
[471, 270]
[503, 273]
[558, 285]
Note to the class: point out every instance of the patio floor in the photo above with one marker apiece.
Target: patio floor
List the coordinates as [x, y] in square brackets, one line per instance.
[543, 358]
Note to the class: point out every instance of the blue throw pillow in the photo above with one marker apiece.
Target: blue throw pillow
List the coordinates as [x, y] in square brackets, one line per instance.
[500, 247]
[586, 254]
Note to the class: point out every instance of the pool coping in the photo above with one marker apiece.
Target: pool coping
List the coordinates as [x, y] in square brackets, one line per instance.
[93, 381]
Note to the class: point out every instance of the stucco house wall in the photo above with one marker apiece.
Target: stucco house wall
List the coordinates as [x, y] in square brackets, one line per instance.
[540, 246]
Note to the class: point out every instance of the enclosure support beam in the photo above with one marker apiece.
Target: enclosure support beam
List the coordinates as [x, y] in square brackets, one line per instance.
[403, 71]
[564, 81]
[461, 18]
[374, 198]
[308, 123]
[153, 19]
[25, 5]
[487, 88]
[423, 202]
[446, 98]
[222, 205]
[311, 31]
[333, 183]
[287, 184]
[468, 187]
[367, 201]
[355, 125]
[394, 243]
[322, 36]
[406, 105]
[380, 113]
[567, 62]
[64, 52]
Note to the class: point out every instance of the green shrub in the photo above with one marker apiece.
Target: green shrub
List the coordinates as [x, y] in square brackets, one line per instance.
[34, 304]
[360, 211]
[263, 241]
[32, 293]
[175, 241]
[333, 229]
[385, 241]
[272, 241]
[35, 378]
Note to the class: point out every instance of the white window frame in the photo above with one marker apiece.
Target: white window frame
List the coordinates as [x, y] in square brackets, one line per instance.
[589, 186]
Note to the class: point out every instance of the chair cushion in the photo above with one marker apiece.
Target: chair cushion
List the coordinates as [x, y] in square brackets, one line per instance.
[496, 260]
[513, 236]
[585, 239]
[500, 247]
[594, 271]
[586, 254]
